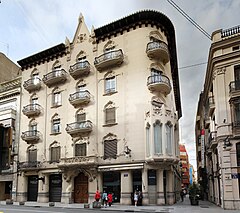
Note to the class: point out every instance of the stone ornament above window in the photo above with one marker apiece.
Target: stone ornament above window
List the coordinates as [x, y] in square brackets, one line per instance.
[155, 35]
[109, 136]
[109, 45]
[157, 66]
[157, 104]
[81, 37]
[80, 140]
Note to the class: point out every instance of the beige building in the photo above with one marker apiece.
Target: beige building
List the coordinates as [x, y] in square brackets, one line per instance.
[217, 122]
[101, 112]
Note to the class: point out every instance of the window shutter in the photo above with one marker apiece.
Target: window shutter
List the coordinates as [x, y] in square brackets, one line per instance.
[55, 154]
[110, 116]
[80, 149]
[110, 149]
[32, 155]
[81, 117]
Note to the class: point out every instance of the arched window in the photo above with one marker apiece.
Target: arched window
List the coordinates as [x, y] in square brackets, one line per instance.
[110, 146]
[56, 97]
[169, 136]
[33, 126]
[56, 125]
[110, 83]
[157, 128]
[110, 113]
[55, 152]
[148, 147]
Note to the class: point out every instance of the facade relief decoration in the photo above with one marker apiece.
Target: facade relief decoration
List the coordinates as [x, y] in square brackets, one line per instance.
[92, 39]
[81, 37]
[109, 136]
[80, 140]
[157, 105]
[155, 35]
[81, 54]
[157, 66]
[68, 48]
[109, 45]
[219, 71]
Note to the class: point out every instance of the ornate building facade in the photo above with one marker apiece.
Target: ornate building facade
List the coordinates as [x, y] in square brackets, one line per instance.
[217, 122]
[101, 112]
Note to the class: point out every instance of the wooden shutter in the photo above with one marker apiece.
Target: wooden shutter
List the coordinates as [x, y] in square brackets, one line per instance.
[110, 149]
[110, 116]
[32, 155]
[81, 117]
[55, 154]
[80, 149]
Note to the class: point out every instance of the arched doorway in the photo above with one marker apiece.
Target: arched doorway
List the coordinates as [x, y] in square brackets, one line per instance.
[81, 188]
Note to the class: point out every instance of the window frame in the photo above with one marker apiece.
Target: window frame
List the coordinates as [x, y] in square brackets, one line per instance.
[158, 145]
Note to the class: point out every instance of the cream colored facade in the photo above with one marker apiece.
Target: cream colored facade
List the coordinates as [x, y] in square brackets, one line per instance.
[109, 100]
[218, 149]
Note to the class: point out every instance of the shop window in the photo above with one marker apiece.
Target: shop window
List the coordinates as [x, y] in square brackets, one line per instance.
[238, 153]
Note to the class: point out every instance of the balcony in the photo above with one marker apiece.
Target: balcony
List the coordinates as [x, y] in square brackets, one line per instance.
[211, 103]
[109, 59]
[79, 127]
[212, 140]
[81, 68]
[31, 136]
[234, 89]
[55, 77]
[32, 84]
[159, 83]
[161, 159]
[32, 110]
[158, 50]
[29, 165]
[80, 97]
[83, 161]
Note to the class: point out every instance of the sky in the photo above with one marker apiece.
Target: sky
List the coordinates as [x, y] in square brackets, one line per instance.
[30, 26]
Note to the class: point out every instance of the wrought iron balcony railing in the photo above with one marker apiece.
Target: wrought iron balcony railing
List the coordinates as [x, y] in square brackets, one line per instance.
[231, 31]
[158, 49]
[31, 136]
[159, 83]
[111, 58]
[79, 127]
[29, 165]
[234, 86]
[80, 97]
[78, 160]
[31, 110]
[32, 84]
[81, 68]
[55, 77]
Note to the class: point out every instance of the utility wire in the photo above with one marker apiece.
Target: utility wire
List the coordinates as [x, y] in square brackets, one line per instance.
[192, 65]
[195, 24]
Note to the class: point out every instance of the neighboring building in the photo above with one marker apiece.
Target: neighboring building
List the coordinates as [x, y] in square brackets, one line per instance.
[184, 166]
[9, 135]
[218, 119]
[101, 112]
[8, 69]
[192, 177]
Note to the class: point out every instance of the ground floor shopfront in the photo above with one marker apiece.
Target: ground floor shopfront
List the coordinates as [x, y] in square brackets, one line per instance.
[158, 185]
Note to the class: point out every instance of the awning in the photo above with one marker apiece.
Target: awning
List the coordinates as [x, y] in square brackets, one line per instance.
[120, 167]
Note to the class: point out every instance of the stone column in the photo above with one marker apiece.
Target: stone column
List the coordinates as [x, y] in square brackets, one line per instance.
[126, 187]
[145, 200]
[160, 190]
[43, 188]
[22, 188]
[170, 188]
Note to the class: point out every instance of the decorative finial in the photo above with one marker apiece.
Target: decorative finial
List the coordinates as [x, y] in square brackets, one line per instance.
[80, 19]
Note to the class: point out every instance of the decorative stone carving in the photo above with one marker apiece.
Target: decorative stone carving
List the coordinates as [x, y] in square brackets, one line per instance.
[81, 37]
[219, 71]
[157, 105]
[147, 114]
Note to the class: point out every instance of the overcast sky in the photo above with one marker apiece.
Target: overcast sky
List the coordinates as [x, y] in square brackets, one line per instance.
[30, 26]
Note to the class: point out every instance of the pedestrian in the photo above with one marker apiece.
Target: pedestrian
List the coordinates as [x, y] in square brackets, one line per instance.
[135, 197]
[97, 196]
[110, 198]
[104, 199]
[140, 197]
[182, 195]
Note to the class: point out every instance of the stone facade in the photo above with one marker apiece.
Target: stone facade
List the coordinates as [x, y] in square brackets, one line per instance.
[106, 109]
[217, 122]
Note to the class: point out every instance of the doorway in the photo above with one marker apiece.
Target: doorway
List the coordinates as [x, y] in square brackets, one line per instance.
[32, 188]
[111, 183]
[81, 188]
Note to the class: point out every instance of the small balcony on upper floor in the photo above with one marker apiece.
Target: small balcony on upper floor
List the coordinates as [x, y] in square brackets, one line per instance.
[212, 140]
[211, 103]
[79, 127]
[159, 83]
[55, 77]
[32, 110]
[32, 84]
[234, 89]
[79, 98]
[109, 59]
[81, 68]
[161, 159]
[158, 50]
[31, 137]
[29, 165]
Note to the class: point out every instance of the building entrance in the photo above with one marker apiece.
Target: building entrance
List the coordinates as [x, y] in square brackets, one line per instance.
[55, 188]
[111, 183]
[32, 188]
[81, 188]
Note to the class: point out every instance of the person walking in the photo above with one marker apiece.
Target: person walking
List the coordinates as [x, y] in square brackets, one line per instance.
[182, 195]
[110, 198]
[97, 196]
[104, 198]
[135, 197]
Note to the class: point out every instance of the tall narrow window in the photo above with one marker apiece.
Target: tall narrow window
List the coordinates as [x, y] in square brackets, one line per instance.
[158, 138]
[148, 140]
[32, 155]
[110, 85]
[110, 113]
[56, 127]
[56, 98]
[80, 149]
[110, 149]
[55, 150]
[81, 117]
[237, 112]
[169, 136]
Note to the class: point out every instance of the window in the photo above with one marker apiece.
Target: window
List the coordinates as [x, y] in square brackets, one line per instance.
[157, 138]
[169, 134]
[33, 128]
[32, 155]
[148, 140]
[110, 149]
[80, 149]
[56, 124]
[238, 153]
[110, 85]
[110, 113]
[56, 97]
[55, 153]
[237, 112]
[81, 117]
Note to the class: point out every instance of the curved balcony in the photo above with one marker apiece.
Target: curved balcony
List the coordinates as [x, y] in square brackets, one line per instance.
[109, 59]
[32, 110]
[81, 68]
[158, 50]
[32, 84]
[163, 159]
[31, 136]
[79, 127]
[55, 77]
[80, 97]
[29, 165]
[160, 83]
[78, 161]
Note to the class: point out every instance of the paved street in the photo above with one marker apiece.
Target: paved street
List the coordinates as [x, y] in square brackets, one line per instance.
[180, 207]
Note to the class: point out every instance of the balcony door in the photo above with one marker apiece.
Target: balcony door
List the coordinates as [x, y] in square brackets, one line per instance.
[237, 77]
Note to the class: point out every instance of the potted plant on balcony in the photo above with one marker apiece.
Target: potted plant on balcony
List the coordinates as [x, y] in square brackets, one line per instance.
[194, 194]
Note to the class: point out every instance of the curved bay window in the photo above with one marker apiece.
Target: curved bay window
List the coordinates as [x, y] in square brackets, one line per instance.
[157, 128]
[169, 136]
